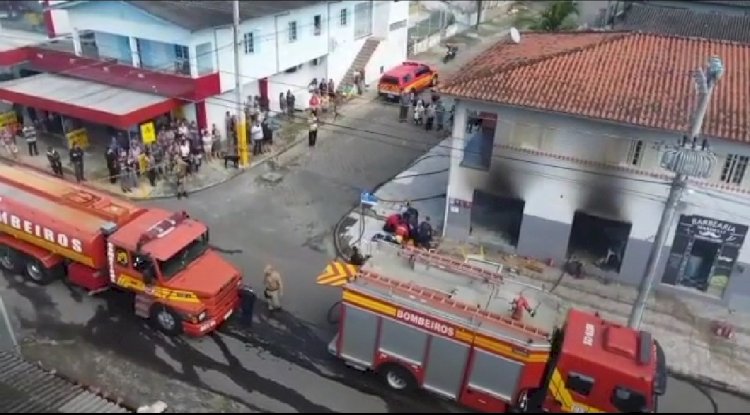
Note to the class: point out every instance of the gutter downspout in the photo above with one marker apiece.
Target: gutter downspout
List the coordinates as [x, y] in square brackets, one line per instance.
[276, 31]
[328, 34]
[216, 51]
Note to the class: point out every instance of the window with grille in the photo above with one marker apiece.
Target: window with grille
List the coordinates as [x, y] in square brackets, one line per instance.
[635, 153]
[344, 17]
[734, 169]
[249, 43]
[292, 32]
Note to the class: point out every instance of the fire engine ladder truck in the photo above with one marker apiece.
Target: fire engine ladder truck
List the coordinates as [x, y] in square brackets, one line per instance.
[448, 264]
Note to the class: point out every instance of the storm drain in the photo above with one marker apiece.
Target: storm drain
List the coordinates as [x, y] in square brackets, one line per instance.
[25, 388]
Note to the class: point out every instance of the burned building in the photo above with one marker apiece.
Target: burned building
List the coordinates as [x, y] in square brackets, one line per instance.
[556, 154]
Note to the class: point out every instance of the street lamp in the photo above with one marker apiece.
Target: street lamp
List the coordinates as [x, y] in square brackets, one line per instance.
[685, 161]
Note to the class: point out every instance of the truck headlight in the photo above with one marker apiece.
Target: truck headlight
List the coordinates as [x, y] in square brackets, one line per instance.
[201, 316]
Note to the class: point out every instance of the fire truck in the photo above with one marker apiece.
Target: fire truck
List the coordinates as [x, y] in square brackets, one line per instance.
[52, 229]
[493, 344]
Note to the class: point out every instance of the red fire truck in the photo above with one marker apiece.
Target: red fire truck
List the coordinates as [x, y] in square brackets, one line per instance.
[493, 344]
[51, 229]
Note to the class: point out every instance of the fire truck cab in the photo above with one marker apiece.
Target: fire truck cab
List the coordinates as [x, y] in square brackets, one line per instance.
[493, 344]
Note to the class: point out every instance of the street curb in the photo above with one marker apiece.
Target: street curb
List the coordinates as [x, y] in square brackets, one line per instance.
[238, 172]
[696, 380]
[706, 382]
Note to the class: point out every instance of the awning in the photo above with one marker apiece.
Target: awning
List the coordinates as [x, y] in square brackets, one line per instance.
[86, 100]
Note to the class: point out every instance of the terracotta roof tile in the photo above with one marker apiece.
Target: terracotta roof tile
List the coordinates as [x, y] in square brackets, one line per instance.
[632, 78]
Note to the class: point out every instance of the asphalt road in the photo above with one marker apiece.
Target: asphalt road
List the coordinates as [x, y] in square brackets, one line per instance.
[281, 364]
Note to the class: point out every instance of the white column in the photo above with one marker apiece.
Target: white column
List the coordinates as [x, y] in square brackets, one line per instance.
[134, 52]
[76, 42]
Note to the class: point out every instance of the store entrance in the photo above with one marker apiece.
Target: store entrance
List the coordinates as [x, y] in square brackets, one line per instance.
[700, 262]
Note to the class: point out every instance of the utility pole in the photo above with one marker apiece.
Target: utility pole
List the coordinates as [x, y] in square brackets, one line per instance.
[240, 126]
[479, 14]
[685, 161]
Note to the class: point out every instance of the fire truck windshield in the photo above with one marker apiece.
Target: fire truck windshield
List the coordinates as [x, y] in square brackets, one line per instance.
[184, 257]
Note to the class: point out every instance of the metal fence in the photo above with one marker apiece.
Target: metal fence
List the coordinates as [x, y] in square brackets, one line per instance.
[430, 28]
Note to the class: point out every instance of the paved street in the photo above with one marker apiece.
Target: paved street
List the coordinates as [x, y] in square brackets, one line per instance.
[282, 364]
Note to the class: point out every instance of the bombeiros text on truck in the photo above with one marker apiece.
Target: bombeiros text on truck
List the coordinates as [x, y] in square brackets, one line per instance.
[52, 229]
[463, 332]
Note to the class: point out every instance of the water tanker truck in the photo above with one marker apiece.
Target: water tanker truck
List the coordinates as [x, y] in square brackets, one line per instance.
[51, 229]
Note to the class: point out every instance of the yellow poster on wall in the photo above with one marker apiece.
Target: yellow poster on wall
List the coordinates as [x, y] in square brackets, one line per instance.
[8, 119]
[148, 132]
[80, 137]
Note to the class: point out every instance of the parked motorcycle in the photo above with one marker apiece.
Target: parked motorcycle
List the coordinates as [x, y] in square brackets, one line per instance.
[450, 53]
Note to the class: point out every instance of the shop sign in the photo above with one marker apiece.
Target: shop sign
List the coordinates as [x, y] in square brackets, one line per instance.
[80, 137]
[148, 132]
[8, 119]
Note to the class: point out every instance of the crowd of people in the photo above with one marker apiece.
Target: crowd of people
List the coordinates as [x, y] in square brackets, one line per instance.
[431, 114]
[179, 150]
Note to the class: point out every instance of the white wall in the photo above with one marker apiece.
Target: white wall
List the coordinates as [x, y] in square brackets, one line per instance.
[296, 82]
[121, 19]
[554, 189]
[393, 48]
[267, 32]
[343, 46]
[60, 19]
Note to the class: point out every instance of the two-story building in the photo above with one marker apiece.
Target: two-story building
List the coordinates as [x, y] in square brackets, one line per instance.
[134, 60]
[556, 153]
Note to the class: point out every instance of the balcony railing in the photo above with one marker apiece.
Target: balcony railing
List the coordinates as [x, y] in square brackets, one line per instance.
[171, 80]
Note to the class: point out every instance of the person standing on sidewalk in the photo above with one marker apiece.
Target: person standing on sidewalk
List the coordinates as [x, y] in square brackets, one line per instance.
[29, 133]
[403, 111]
[76, 157]
[290, 103]
[180, 177]
[312, 133]
[282, 103]
[256, 134]
[55, 161]
[274, 288]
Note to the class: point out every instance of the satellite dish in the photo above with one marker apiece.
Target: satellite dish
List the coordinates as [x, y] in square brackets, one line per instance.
[515, 35]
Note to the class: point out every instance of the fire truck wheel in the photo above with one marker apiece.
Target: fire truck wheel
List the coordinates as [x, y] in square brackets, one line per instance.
[166, 320]
[398, 378]
[10, 260]
[37, 273]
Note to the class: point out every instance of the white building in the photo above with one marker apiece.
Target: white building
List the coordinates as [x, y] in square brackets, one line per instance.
[565, 160]
[184, 49]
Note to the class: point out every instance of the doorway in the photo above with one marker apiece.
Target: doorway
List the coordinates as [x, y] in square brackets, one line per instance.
[700, 262]
[598, 241]
[496, 219]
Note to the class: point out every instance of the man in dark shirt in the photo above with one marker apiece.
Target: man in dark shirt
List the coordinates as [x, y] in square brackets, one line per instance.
[247, 304]
[424, 234]
[76, 157]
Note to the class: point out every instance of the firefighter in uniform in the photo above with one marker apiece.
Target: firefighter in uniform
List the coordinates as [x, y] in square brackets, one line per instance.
[274, 288]
[180, 176]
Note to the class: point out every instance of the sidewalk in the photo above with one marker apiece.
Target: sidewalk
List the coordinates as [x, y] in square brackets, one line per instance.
[682, 325]
[211, 173]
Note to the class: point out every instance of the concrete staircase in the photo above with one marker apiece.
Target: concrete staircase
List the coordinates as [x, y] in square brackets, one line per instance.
[360, 61]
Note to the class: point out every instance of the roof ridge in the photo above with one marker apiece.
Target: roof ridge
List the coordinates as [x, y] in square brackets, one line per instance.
[490, 72]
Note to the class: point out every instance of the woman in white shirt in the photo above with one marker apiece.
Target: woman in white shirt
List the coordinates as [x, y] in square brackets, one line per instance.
[207, 144]
[256, 134]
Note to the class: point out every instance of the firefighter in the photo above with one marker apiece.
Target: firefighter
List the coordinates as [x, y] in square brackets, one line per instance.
[357, 258]
[247, 304]
[180, 176]
[274, 288]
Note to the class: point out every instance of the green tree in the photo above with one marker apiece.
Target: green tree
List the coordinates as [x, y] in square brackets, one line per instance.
[557, 16]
